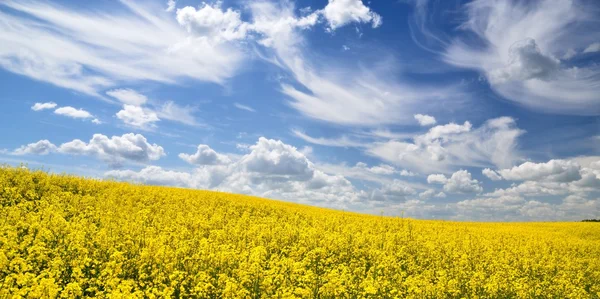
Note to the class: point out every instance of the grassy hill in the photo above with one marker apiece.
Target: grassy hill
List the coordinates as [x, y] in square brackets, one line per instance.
[74, 237]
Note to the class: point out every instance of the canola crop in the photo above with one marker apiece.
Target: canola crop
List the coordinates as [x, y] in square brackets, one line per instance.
[69, 237]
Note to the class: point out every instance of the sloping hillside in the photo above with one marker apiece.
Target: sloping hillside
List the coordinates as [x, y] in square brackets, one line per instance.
[70, 236]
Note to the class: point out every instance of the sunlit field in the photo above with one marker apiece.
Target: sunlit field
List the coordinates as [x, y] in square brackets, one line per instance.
[65, 236]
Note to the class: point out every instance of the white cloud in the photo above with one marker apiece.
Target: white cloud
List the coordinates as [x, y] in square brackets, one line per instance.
[518, 54]
[136, 112]
[447, 147]
[137, 116]
[381, 174]
[569, 54]
[89, 51]
[171, 5]
[243, 107]
[183, 114]
[595, 47]
[515, 207]
[128, 96]
[425, 120]
[459, 182]
[395, 191]
[506, 208]
[405, 172]
[555, 177]
[344, 95]
[343, 141]
[213, 22]
[42, 147]
[43, 106]
[154, 175]
[525, 62]
[492, 175]
[381, 169]
[73, 112]
[205, 156]
[553, 170]
[271, 169]
[275, 158]
[503, 203]
[427, 194]
[437, 179]
[276, 24]
[501, 208]
[115, 150]
[339, 13]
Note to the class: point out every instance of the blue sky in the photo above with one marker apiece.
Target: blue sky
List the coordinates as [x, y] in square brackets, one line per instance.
[480, 110]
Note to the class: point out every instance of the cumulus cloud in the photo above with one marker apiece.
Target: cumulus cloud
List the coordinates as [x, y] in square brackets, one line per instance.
[73, 112]
[555, 177]
[115, 150]
[518, 56]
[447, 147]
[511, 207]
[425, 120]
[154, 175]
[492, 175]
[139, 112]
[395, 191]
[205, 156]
[525, 62]
[43, 106]
[339, 13]
[436, 179]
[443, 148]
[213, 22]
[459, 182]
[491, 205]
[67, 111]
[271, 169]
[553, 170]
[429, 193]
[137, 116]
[277, 159]
[42, 147]
[380, 169]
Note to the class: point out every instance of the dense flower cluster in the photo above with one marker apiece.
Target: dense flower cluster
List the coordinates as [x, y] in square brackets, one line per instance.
[64, 236]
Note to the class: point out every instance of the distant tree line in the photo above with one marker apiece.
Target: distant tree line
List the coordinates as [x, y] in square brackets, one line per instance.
[590, 220]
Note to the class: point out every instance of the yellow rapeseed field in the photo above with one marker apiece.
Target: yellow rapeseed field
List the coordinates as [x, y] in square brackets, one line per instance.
[64, 236]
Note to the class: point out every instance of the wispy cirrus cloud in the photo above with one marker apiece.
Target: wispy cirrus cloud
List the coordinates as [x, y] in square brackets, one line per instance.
[338, 94]
[88, 51]
[244, 107]
[522, 48]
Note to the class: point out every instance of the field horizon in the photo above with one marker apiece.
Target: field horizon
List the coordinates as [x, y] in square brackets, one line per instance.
[67, 236]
